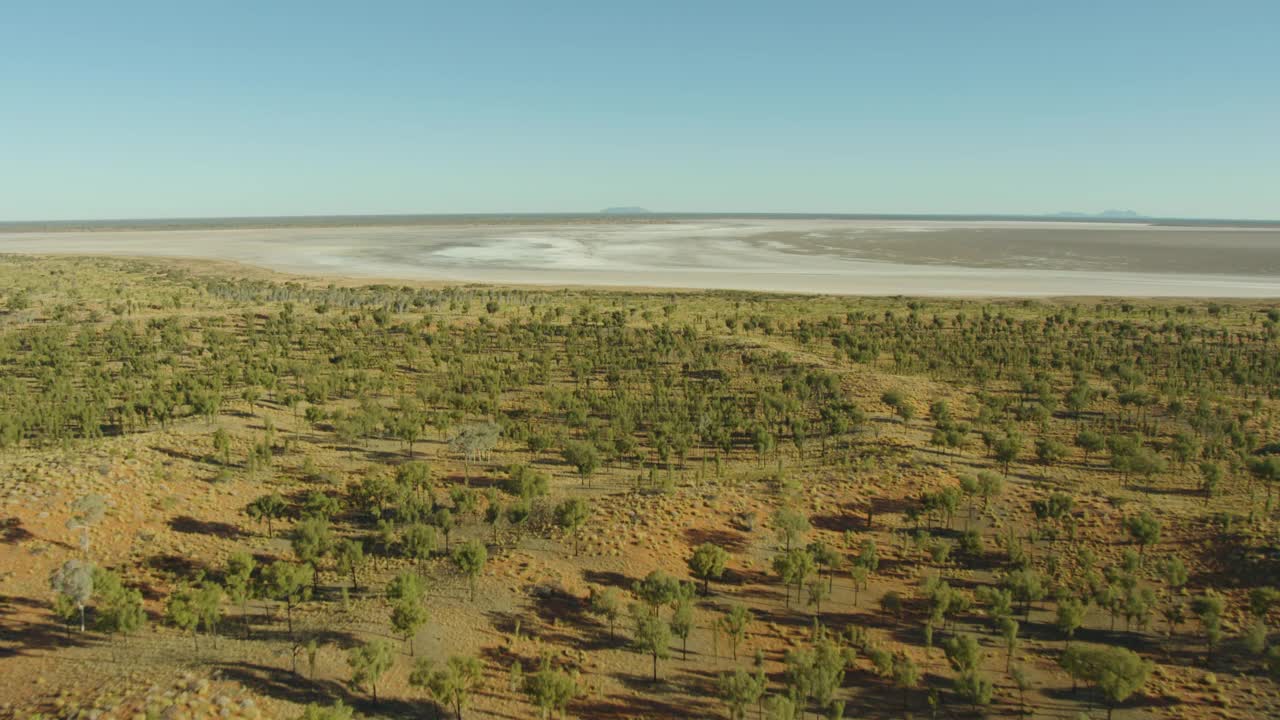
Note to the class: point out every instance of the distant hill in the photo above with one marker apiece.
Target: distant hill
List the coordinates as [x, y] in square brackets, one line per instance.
[1105, 214]
[624, 211]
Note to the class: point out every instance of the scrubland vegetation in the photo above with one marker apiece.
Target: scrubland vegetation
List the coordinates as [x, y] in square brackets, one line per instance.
[227, 493]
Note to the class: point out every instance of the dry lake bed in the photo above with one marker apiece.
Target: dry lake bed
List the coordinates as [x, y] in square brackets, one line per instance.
[814, 255]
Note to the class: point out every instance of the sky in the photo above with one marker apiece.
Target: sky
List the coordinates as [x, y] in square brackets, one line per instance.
[173, 109]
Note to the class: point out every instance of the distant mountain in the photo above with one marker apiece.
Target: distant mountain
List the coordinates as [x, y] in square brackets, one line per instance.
[1105, 214]
[624, 211]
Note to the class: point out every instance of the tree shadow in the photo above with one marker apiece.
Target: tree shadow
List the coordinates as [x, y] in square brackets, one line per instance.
[1170, 491]
[1236, 562]
[793, 617]
[608, 579]
[558, 608]
[878, 506]
[192, 526]
[12, 532]
[176, 565]
[188, 456]
[283, 684]
[277, 632]
[1093, 698]
[840, 522]
[26, 638]
[743, 577]
[645, 701]
[506, 623]
[730, 540]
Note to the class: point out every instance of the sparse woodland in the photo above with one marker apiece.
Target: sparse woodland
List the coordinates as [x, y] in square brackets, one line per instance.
[228, 493]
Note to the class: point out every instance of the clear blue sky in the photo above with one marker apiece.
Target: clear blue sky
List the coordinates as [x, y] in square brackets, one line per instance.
[170, 109]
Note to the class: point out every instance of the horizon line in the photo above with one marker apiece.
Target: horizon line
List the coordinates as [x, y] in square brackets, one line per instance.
[1061, 216]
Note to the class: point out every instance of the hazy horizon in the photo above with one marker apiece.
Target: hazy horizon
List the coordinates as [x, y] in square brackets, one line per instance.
[603, 214]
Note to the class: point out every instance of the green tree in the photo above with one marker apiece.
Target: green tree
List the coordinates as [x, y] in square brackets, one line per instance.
[651, 634]
[570, 516]
[525, 482]
[494, 511]
[963, 653]
[320, 505]
[682, 622]
[818, 591]
[891, 603]
[1184, 447]
[974, 687]
[868, 556]
[606, 603]
[312, 649]
[452, 685]
[762, 441]
[708, 563]
[369, 662]
[584, 458]
[780, 707]
[407, 585]
[267, 509]
[990, 485]
[826, 559]
[1090, 442]
[1027, 587]
[288, 583]
[1173, 572]
[1261, 600]
[1021, 681]
[1208, 609]
[414, 476]
[407, 427]
[374, 493]
[180, 611]
[119, 608]
[1049, 451]
[207, 604]
[1144, 529]
[239, 583]
[858, 577]
[408, 615]
[222, 445]
[1268, 471]
[816, 673]
[793, 568]
[656, 589]
[418, 541]
[735, 623]
[740, 690]
[1008, 633]
[470, 558]
[906, 675]
[1007, 450]
[791, 525]
[312, 540]
[349, 556]
[550, 690]
[1070, 617]
[465, 501]
[1116, 671]
[1210, 478]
